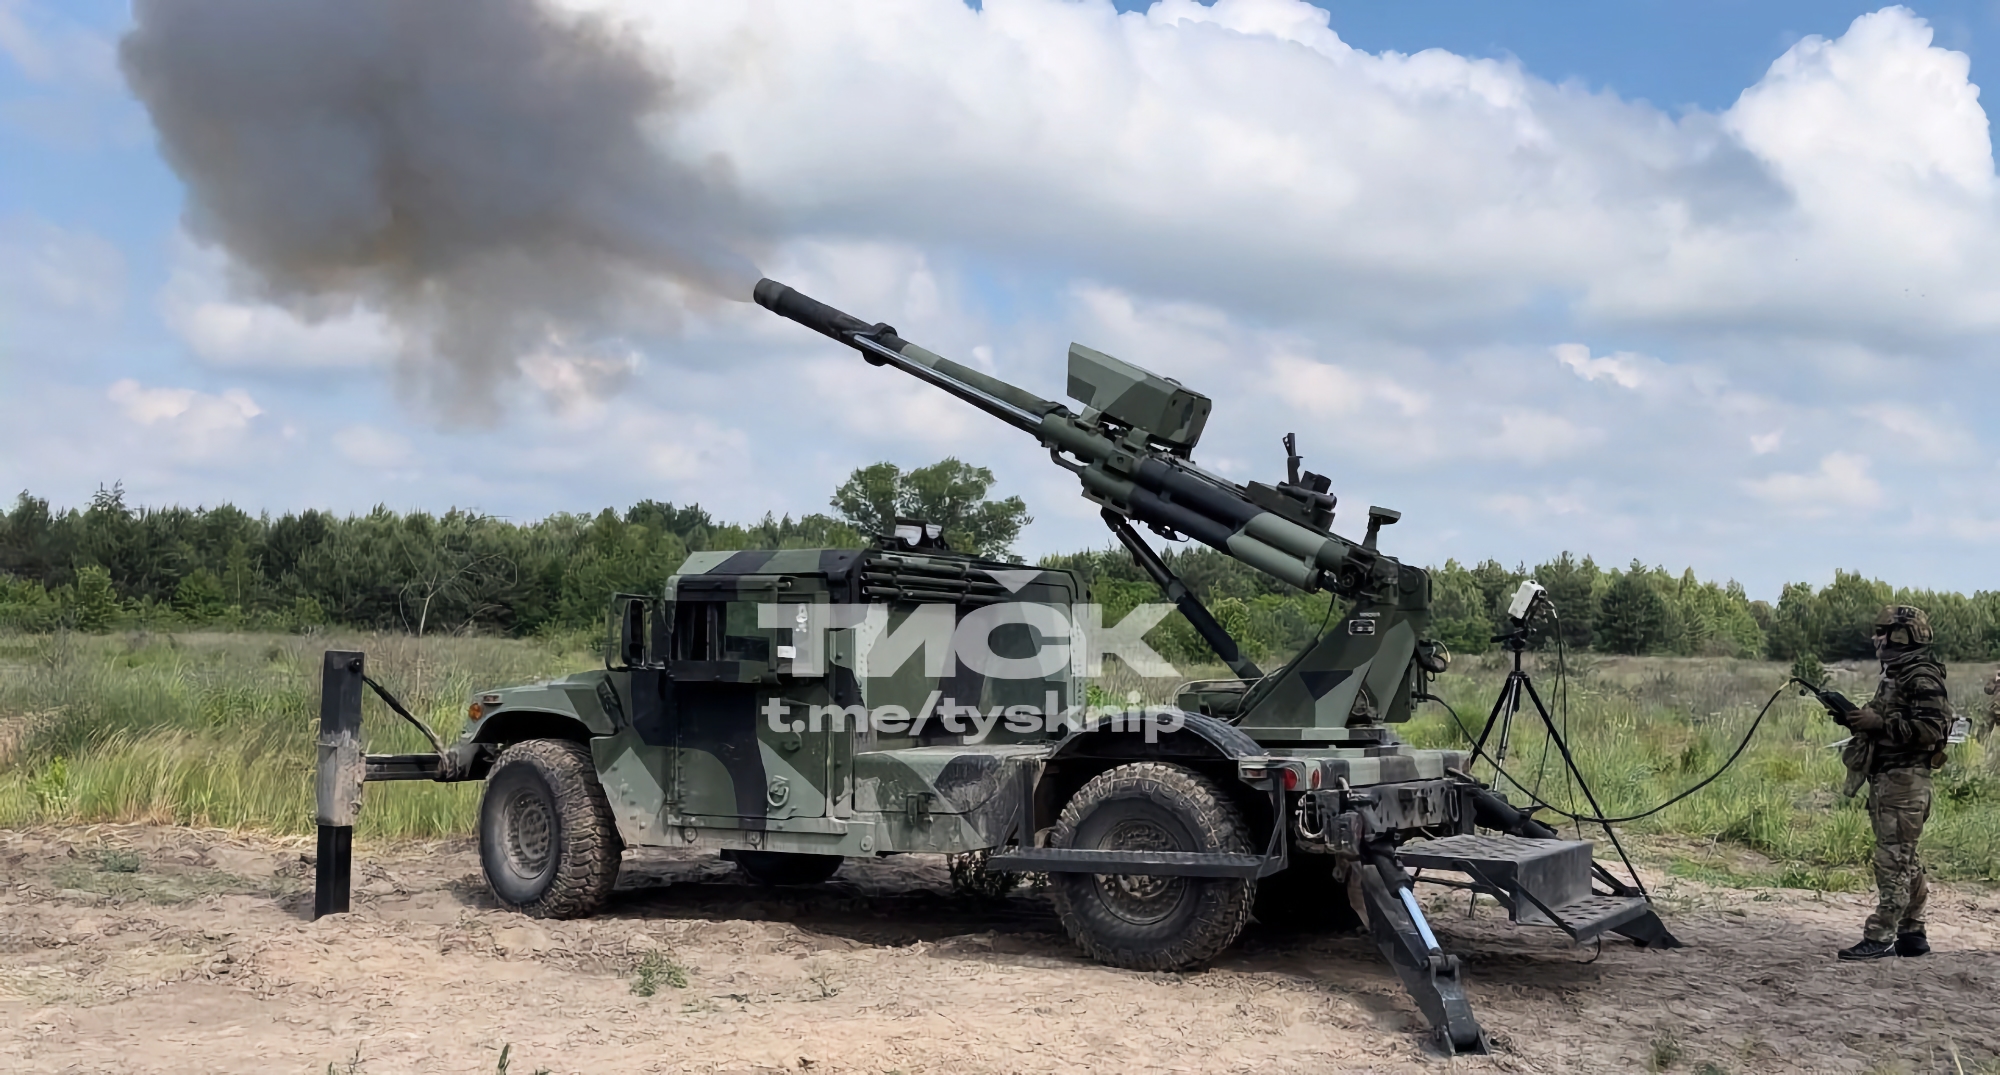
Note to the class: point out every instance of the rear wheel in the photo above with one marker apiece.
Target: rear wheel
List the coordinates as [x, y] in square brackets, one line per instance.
[1152, 922]
[547, 840]
[785, 867]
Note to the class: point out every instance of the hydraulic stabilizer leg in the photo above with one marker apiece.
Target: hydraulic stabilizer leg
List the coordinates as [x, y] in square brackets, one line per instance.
[1406, 940]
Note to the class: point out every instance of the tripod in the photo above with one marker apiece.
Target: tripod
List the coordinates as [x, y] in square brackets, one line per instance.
[1505, 708]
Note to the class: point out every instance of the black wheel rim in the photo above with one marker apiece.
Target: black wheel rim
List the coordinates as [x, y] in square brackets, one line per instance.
[531, 825]
[1140, 899]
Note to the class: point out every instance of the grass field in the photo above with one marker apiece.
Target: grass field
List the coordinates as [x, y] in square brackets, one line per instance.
[217, 730]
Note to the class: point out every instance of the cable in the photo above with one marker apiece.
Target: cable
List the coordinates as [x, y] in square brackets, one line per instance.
[1562, 705]
[397, 706]
[1704, 782]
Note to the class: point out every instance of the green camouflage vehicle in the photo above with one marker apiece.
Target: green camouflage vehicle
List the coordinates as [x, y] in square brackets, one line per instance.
[795, 709]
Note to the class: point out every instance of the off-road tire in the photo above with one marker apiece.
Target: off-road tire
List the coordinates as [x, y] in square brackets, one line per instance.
[785, 867]
[1306, 897]
[547, 840]
[1152, 923]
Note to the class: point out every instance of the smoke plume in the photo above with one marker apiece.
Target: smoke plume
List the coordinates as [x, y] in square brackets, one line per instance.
[490, 174]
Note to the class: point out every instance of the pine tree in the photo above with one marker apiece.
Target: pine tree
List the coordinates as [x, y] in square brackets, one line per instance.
[1632, 618]
[93, 602]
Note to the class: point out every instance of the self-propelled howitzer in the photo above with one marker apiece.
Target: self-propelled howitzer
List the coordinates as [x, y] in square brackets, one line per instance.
[1350, 801]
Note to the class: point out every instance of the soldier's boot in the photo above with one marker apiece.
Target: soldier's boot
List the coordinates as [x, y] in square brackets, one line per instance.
[1913, 943]
[1868, 949]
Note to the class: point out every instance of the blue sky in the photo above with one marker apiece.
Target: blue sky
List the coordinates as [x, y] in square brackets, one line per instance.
[1562, 284]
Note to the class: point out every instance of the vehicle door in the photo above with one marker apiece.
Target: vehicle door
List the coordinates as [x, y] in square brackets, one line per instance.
[746, 743]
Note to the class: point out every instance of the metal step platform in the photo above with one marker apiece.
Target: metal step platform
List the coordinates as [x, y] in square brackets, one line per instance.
[1540, 882]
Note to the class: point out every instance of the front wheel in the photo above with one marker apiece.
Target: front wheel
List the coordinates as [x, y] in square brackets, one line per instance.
[1152, 922]
[547, 840]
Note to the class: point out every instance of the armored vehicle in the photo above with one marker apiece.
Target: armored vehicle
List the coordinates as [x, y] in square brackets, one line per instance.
[797, 708]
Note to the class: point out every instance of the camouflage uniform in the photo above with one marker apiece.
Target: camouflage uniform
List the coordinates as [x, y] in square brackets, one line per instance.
[1901, 734]
[1983, 728]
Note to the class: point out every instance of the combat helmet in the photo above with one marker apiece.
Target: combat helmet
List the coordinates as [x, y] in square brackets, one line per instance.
[1904, 627]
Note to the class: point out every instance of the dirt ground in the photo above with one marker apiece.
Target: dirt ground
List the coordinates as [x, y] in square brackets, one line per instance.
[150, 949]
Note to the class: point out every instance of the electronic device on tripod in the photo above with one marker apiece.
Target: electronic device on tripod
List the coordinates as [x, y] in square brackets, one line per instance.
[1531, 602]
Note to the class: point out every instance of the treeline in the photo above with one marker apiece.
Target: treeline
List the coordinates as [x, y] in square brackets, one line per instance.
[112, 566]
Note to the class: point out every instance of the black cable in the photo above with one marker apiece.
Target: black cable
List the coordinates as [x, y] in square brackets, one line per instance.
[1704, 782]
[397, 706]
[1562, 705]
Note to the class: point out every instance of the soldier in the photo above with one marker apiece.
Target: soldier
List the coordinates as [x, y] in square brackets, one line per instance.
[1991, 722]
[1899, 737]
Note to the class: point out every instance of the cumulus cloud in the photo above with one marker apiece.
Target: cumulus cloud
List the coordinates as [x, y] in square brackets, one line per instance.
[1242, 153]
[1622, 369]
[372, 447]
[223, 327]
[1537, 436]
[1920, 433]
[1841, 483]
[188, 424]
[1325, 389]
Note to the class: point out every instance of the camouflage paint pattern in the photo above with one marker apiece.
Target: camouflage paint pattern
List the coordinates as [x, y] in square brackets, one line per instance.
[1173, 415]
[687, 755]
[1899, 802]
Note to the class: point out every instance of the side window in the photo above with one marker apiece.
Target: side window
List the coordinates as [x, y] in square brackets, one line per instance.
[697, 629]
[720, 631]
[742, 639]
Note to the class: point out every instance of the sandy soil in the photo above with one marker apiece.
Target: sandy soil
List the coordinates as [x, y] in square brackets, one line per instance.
[146, 949]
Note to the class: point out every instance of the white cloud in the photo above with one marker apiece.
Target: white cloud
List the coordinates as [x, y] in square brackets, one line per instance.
[46, 269]
[1525, 510]
[1766, 443]
[47, 48]
[1325, 389]
[575, 381]
[1842, 482]
[190, 425]
[226, 329]
[1243, 155]
[372, 447]
[1537, 436]
[1622, 369]
[691, 449]
[1919, 433]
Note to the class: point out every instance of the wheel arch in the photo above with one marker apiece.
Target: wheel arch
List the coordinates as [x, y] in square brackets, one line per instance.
[502, 730]
[1202, 743]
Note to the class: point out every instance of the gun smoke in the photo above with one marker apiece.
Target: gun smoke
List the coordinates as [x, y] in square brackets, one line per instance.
[491, 176]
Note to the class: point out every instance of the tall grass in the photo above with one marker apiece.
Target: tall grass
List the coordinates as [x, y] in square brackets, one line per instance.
[218, 729]
[1643, 729]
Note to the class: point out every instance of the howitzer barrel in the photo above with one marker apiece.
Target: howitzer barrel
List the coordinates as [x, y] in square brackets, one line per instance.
[1120, 469]
[879, 344]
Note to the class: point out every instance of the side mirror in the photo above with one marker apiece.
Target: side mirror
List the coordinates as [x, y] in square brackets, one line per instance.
[633, 615]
